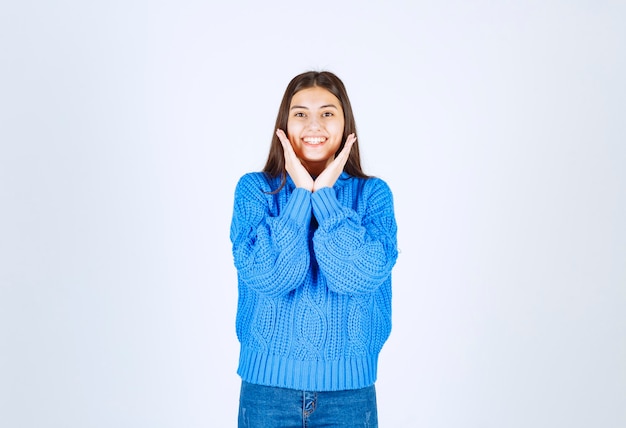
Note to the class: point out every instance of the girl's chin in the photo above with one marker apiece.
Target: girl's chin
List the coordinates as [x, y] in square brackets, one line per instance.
[313, 156]
[316, 161]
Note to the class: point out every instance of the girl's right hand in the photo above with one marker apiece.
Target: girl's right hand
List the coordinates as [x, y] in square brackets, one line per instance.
[294, 167]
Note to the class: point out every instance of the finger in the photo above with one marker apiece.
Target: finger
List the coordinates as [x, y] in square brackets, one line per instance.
[350, 141]
[282, 137]
[285, 142]
[345, 152]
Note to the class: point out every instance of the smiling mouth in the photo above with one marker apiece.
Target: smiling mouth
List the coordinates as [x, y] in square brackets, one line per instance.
[314, 140]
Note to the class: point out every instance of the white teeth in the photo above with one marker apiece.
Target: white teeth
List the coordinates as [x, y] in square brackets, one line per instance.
[316, 140]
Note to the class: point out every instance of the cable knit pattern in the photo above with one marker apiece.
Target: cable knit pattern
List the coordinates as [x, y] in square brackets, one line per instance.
[314, 274]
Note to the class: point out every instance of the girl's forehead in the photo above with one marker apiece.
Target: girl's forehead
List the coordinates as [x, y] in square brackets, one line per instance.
[314, 95]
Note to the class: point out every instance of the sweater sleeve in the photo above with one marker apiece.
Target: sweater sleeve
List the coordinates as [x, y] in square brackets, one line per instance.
[270, 251]
[356, 253]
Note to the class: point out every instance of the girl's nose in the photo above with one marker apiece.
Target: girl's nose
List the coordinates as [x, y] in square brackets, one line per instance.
[314, 124]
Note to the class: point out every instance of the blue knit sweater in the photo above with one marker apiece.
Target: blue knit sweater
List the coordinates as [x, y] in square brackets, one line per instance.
[314, 277]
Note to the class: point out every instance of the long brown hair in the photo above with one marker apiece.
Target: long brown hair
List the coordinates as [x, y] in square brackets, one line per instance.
[275, 165]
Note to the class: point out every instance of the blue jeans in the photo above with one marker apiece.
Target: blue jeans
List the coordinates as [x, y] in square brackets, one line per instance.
[270, 407]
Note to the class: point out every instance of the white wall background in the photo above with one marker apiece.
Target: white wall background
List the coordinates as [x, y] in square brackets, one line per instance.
[500, 126]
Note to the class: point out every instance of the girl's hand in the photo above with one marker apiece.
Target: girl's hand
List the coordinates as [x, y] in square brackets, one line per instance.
[331, 173]
[294, 167]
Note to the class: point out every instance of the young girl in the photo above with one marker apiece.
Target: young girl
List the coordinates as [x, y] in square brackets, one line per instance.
[314, 243]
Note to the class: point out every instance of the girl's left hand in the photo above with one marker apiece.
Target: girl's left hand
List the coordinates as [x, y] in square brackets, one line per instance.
[331, 173]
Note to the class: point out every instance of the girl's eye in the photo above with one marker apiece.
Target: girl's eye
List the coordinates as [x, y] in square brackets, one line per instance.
[327, 114]
[299, 114]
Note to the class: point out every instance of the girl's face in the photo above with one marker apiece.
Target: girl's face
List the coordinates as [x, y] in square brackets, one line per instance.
[315, 127]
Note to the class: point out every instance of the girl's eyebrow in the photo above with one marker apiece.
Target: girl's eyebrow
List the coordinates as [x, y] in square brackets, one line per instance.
[306, 108]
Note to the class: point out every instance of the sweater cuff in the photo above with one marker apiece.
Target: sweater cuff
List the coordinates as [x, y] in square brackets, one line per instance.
[298, 208]
[325, 204]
